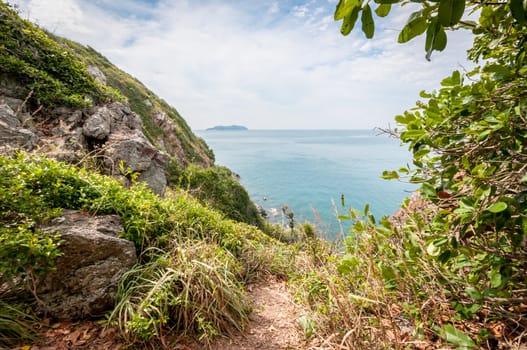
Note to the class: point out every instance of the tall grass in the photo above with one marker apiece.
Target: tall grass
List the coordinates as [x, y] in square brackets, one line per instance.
[16, 324]
[192, 289]
[376, 293]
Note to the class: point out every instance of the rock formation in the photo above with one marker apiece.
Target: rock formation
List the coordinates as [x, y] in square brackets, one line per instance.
[110, 133]
[86, 275]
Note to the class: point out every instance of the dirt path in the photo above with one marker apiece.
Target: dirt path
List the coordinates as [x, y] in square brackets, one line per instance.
[273, 322]
[272, 326]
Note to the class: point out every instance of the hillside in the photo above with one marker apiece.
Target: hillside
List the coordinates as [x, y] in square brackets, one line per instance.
[109, 203]
[48, 72]
[74, 105]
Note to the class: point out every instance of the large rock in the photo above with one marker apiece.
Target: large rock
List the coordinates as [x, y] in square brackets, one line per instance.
[86, 276]
[97, 125]
[11, 131]
[113, 134]
[96, 73]
[126, 144]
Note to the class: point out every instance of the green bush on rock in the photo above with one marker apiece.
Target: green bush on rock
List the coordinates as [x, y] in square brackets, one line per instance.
[51, 73]
[218, 187]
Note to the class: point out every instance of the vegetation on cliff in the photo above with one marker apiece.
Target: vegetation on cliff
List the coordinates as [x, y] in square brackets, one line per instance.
[193, 262]
[220, 188]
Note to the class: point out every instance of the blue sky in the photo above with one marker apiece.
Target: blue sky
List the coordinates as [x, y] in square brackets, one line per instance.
[265, 64]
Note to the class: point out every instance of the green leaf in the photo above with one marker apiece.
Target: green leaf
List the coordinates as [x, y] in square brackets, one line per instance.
[415, 26]
[412, 134]
[436, 38]
[456, 337]
[349, 21]
[345, 8]
[453, 80]
[431, 32]
[368, 26]
[441, 40]
[433, 250]
[497, 207]
[473, 293]
[389, 175]
[450, 12]
[518, 10]
[496, 279]
[498, 69]
[383, 10]
[428, 190]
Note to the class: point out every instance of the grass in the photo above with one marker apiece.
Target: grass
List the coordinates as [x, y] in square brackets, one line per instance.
[192, 289]
[194, 263]
[15, 324]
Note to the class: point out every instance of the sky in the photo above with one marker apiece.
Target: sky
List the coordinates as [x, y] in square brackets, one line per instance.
[264, 64]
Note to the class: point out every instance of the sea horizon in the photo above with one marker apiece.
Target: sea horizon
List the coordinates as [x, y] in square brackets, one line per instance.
[310, 170]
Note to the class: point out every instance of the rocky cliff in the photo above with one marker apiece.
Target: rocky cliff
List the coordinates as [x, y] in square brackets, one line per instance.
[67, 100]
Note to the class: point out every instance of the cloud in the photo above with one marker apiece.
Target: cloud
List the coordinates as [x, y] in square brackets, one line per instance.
[274, 8]
[299, 11]
[264, 65]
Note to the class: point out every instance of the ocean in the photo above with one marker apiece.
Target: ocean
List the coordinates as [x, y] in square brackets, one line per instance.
[310, 170]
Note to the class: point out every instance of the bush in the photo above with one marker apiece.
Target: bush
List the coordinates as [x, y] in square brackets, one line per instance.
[218, 187]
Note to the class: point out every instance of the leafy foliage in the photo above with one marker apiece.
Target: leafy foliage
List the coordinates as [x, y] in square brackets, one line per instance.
[451, 265]
[50, 72]
[435, 17]
[468, 143]
[219, 187]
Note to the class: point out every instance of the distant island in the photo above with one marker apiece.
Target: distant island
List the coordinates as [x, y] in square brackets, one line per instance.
[227, 128]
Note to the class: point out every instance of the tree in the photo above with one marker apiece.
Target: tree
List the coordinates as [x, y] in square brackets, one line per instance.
[498, 21]
[469, 145]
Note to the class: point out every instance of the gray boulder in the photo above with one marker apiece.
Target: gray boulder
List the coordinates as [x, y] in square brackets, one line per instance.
[97, 125]
[96, 73]
[125, 143]
[11, 131]
[138, 156]
[86, 276]
[112, 133]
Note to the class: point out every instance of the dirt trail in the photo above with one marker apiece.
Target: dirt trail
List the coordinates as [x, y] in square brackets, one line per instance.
[273, 322]
[272, 326]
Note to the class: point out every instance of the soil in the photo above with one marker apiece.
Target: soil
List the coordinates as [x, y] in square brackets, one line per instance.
[272, 326]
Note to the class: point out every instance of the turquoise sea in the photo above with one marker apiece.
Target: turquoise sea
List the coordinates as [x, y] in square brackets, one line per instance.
[309, 171]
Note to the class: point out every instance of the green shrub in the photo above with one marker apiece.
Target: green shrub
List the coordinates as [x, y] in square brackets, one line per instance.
[194, 262]
[218, 187]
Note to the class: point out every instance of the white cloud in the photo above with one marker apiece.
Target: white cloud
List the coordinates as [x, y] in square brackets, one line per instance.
[300, 11]
[221, 62]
